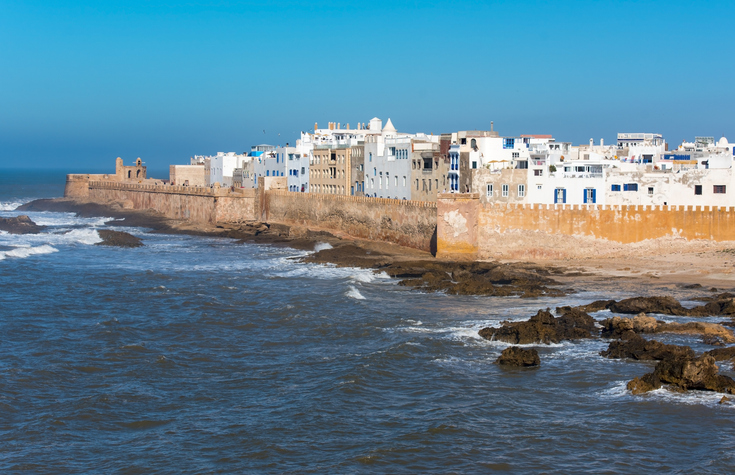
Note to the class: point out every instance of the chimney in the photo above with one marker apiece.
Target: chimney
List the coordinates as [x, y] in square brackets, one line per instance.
[338, 126]
[592, 142]
[602, 142]
[491, 126]
[315, 126]
[347, 126]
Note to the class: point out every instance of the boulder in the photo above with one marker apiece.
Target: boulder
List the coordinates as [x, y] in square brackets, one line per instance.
[118, 238]
[722, 354]
[20, 225]
[636, 347]
[636, 305]
[614, 327]
[687, 373]
[544, 328]
[517, 356]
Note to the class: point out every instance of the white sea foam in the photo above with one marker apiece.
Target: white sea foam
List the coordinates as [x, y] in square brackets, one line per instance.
[364, 277]
[691, 397]
[83, 236]
[354, 294]
[10, 205]
[22, 252]
[321, 246]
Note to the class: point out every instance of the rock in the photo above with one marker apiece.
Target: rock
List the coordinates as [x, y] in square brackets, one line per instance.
[118, 238]
[614, 327]
[636, 347]
[544, 328]
[690, 373]
[639, 386]
[636, 305]
[725, 400]
[595, 306]
[517, 356]
[722, 354]
[20, 225]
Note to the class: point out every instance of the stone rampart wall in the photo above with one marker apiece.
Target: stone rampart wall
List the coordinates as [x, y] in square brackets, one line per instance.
[470, 229]
[408, 223]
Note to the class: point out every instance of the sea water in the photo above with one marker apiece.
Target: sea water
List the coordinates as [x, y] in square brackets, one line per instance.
[199, 355]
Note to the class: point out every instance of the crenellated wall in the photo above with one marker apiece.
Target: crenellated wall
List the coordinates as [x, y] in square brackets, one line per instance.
[497, 225]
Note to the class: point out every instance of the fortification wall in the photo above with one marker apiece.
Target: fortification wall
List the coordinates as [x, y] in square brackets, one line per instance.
[470, 229]
[408, 223]
[198, 205]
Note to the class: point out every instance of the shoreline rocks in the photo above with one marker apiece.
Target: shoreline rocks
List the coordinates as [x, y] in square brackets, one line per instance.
[20, 225]
[118, 239]
[636, 347]
[713, 333]
[684, 373]
[517, 356]
[544, 328]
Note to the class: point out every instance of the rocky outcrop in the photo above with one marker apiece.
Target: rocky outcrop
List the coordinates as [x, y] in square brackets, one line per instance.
[636, 347]
[20, 225]
[595, 306]
[118, 239]
[544, 328]
[722, 354]
[615, 327]
[636, 305]
[684, 373]
[517, 356]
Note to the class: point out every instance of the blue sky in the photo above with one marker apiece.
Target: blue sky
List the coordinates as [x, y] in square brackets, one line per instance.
[84, 82]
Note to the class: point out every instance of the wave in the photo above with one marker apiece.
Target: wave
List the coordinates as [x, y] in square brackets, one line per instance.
[354, 294]
[321, 246]
[12, 204]
[23, 251]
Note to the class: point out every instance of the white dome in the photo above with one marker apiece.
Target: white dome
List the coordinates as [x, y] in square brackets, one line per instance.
[389, 127]
[723, 142]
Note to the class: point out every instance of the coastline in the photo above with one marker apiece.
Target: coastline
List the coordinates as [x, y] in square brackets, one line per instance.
[646, 268]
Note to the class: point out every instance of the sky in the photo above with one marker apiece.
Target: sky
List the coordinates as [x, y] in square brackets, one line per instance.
[84, 82]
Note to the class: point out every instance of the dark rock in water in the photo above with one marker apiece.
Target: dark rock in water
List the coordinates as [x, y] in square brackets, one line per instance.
[615, 327]
[639, 386]
[722, 354]
[595, 306]
[517, 356]
[118, 238]
[725, 400]
[20, 225]
[686, 373]
[636, 347]
[663, 305]
[544, 328]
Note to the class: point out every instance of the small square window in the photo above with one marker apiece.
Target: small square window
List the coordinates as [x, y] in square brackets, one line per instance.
[505, 191]
[697, 189]
[615, 188]
[650, 190]
[719, 189]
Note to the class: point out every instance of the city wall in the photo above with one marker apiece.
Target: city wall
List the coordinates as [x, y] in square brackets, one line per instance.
[470, 229]
[408, 223]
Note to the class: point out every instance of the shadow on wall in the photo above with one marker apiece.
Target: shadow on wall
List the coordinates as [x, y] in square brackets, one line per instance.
[432, 244]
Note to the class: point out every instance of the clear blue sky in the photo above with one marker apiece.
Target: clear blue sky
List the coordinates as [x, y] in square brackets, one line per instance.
[84, 82]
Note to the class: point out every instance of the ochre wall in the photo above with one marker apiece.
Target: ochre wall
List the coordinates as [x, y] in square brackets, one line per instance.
[456, 226]
[408, 223]
[198, 205]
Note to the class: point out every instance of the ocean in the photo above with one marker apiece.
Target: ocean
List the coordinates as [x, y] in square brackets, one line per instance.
[201, 355]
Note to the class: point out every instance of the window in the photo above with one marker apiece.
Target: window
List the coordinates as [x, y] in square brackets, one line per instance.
[538, 173]
[516, 154]
[522, 164]
[463, 141]
[505, 190]
[509, 143]
[650, 190]
[630, 187]
[590, 195]
[489, 192]
[697, 189]
[560, 195]
[615, 188]
[474, 164]
[718, 189]
[404, 181]
[521, 191]
[538, 187]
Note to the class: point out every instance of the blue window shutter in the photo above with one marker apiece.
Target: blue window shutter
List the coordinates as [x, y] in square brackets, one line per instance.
[585, 195]
[556, 196]
[565, 196]
[594, 195]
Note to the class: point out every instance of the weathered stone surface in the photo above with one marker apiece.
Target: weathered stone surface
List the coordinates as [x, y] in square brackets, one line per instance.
[636, 347]
[614, 327]
[636, 305]
[118, 239]
[517, 356]
[20, 225]
[722, 354]
[686, 373]
[544, 328]
[639, 386]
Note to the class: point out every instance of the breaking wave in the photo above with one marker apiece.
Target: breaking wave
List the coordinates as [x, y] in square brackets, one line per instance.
[23, 252]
